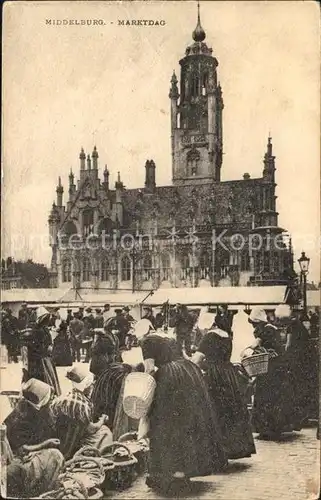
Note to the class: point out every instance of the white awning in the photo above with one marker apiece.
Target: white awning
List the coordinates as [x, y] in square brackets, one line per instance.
[261, 295]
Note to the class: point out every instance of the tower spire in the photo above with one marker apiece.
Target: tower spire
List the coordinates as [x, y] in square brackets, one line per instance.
[198, 34]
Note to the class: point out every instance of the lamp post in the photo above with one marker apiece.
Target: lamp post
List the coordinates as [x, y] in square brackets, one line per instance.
[304, 262]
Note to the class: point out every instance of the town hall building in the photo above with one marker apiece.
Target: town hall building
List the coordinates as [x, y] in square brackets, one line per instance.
[199, 231]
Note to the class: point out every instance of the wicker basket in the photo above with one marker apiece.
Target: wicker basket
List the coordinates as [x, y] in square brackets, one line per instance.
[138, 394]
[124, 472]
[91, 451]
[140, 450]
[257, 364]
[89, 466]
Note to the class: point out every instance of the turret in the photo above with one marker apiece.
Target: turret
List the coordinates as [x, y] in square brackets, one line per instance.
[174, 95]
[72, 187]
[269, 163]
[59, 192]
[196, 123]
[106, 178]
[150, 182]
[95, 158]
[53, 221]
[119, 199]
[88, 163]
[82, 158]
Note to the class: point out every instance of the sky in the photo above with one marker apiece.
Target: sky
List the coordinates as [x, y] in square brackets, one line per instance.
[67, 87]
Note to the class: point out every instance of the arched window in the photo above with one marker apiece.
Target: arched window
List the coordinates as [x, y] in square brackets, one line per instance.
[166, 267]
[66, 270]
[104, 275]
[126, 268]
[193, 158]
[69, 228]
[86, 269]
[147, 268]
[88, 221]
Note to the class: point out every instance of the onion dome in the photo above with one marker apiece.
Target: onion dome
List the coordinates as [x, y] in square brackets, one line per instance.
[198, 34]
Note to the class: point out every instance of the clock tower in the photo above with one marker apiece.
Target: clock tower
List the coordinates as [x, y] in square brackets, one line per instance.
[196, 115]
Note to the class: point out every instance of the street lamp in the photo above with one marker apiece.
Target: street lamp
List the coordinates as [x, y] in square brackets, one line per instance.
[304, 262]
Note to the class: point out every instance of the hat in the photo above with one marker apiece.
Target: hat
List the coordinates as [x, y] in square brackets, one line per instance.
[282, 311]
[258, 315]
[80, 377]
[98, 310]
[81, 308]
[37, 393]
[42, 315]
[69, 310]
[106, 305]
[118, 311]
[88, 310]
[126, 308]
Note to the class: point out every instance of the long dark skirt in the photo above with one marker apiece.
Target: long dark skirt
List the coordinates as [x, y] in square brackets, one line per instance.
[184, 432]
[231, 408]
[303, 368]
[42, 369]
[61, 353]
[273, 404]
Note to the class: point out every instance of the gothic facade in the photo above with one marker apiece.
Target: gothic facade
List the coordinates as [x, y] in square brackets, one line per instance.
[198, 231]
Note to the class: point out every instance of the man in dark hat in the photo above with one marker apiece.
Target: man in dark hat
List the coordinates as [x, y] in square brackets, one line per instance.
[148, 314]
[69, 316]
[183, 329]
[99, 319]
[23, 316]
[87, 334]
[76, 327]
[81, 313]
[107, 313]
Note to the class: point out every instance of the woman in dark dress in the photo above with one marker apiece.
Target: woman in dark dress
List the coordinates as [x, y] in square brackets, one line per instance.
[214, 354]
[61, 354]
[185, 439]
[37, 346]
[273, 406]
[104, 350]
[302, 357]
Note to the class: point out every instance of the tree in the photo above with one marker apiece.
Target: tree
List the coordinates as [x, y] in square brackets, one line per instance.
[32, 274]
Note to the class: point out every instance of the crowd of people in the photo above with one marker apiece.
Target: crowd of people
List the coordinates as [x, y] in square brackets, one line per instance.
[199, 418]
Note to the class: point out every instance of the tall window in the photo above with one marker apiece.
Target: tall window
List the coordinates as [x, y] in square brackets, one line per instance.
[185, 266]
[86, 269]
[66, 270]
[204, 83]
[88, 221]
[126, 269]
[166, 267]
[104, 276]
[245, 261]
[193, 158]
[147, 268]
[195, 86]
[204, 266]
